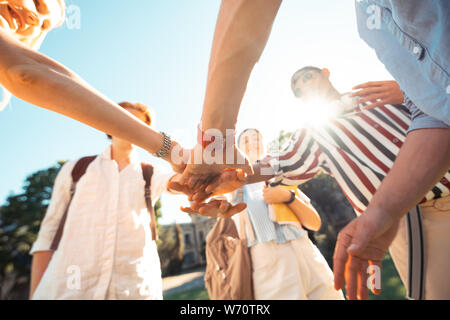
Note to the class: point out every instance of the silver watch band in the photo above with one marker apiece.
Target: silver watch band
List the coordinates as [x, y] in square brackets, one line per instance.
[167, 143]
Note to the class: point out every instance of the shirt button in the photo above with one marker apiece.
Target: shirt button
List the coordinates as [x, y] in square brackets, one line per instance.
[416, 50]
[448, 89]
[376, 125]
[395, 140]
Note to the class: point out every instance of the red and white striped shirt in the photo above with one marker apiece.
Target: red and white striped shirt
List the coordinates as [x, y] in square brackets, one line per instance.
[357, 149]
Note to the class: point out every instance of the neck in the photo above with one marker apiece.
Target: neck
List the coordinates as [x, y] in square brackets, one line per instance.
[333, 94]
[121, 154]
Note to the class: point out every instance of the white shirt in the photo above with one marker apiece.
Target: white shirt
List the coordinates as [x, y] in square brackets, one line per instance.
[106, 251]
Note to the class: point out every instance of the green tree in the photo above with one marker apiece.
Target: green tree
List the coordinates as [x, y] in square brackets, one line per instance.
[20, 220]
[171, 249]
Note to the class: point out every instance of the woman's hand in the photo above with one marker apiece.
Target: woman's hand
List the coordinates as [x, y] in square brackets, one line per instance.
[276, 195]
[379, 93]
[215, 208]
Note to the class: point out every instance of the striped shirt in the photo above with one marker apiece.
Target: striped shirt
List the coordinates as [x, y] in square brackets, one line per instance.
[357, 149]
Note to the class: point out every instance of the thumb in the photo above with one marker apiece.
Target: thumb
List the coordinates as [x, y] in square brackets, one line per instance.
[360, 239]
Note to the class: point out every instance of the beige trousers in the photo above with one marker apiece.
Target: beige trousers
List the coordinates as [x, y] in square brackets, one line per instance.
[295, 270]
[436, 236]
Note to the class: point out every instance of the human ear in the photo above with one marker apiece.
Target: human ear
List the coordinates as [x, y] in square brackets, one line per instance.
[326, 72]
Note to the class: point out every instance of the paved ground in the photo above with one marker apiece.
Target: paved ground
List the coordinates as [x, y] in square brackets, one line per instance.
[183, 282]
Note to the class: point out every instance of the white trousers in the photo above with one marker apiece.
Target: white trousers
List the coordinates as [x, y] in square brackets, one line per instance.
[295, 270]
[436, 237]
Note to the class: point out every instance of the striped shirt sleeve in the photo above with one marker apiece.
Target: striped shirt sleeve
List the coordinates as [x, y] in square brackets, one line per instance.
[299, 162]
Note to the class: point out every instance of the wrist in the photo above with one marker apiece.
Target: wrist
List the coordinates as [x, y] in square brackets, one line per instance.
[223, 139]
[289, 197]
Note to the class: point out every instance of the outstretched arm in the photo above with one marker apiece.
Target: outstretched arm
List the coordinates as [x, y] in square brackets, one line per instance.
[41, 81]
[242, 30]
[40, 262]
[422, 161]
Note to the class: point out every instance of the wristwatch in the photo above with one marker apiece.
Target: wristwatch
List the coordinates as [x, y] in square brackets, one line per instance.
[292, 197]
[167, 143]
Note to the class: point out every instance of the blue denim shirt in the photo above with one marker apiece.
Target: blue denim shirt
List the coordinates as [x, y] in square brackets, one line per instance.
[412, 39]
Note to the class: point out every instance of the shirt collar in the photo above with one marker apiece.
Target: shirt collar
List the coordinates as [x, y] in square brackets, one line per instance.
[134, 157]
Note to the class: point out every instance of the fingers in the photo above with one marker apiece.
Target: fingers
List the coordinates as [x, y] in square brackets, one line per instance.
[215, 208]
[369, 84]
[26, 12]
[375, 285]
[233, 210]
[352, 270]
[363, 290]
[188, 210]
[340, 258]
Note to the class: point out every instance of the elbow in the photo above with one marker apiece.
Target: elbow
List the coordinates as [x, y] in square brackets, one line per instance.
[317, 225]
[23, 76]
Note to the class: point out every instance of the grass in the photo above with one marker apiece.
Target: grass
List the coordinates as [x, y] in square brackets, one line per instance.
[391, 286]
[191, 294]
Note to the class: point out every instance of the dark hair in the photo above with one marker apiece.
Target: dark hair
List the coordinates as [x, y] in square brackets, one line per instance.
[146, 111]
[248, 129]
[297, 74]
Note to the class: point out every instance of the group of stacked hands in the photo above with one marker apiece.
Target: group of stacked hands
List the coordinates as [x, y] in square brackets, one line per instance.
[239, 40]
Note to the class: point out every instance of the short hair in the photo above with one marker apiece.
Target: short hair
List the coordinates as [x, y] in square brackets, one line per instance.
[246, 130]
[297, 74]
[144, 109]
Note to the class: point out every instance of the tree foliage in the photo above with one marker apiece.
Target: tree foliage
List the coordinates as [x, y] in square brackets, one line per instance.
[20, 220]
[171, 250]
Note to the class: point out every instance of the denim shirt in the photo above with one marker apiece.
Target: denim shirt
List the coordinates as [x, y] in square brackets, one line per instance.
[411, 38]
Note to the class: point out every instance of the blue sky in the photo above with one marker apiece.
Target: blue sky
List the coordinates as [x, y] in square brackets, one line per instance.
[157, 53]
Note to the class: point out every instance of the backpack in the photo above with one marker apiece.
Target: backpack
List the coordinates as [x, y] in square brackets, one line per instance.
[79, 170]
[228, 273]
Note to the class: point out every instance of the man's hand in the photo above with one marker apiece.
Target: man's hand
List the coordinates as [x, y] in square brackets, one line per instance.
[276, 195]
[363, 242]
[379, 93]
[215, 208]
[203, 166]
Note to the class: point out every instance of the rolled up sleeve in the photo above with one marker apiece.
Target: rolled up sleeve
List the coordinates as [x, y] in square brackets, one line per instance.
[59, 200]
[420, 120]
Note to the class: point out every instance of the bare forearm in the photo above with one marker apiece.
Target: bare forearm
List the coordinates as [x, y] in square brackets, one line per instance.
[42, 81]
[40, 263]
[307, 215]
[241, 34]
[422, 162]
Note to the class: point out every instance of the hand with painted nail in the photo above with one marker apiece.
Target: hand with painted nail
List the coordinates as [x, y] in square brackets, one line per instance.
[379, 93]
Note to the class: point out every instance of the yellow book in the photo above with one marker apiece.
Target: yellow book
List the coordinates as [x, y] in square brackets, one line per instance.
[281, 213]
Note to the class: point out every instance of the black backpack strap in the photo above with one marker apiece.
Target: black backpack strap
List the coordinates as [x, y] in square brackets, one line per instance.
[147, 173]
[77, 172]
